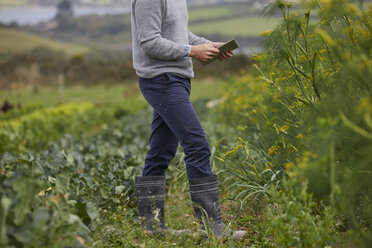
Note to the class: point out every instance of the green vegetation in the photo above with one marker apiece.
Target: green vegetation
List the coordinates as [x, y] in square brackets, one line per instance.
[229, 20]
[241, 26]
[219, 12]
[113, 32]
[304, 117]
[13, 2]
[49, 96]
[124, 94]
[206, 13]
[17, 41]
[44, 67]
[290, 140]
[84, 186]
[93, 30]
[25, 3]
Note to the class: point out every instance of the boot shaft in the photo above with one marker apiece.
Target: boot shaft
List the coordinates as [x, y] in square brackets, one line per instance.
[206, 202]
[150, 193]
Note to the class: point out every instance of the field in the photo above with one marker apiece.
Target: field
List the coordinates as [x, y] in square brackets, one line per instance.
[205, 13]
[113, 32]
[26, 3]
[290, 140]
[101, 94]
[243, 26]
[16, 41]
[13, 2]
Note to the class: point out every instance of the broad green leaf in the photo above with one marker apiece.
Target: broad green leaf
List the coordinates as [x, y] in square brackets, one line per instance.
[92, 211]
[41, 216]
[26, 190]
[5, 205]
[119, 189]
[63, 180]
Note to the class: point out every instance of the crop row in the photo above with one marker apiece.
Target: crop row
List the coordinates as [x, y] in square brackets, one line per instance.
[53, 198]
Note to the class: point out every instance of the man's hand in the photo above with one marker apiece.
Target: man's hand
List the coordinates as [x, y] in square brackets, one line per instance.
[225, 55]
[204, 52]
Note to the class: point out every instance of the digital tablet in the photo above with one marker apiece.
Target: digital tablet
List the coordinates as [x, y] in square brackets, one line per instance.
[228, 46]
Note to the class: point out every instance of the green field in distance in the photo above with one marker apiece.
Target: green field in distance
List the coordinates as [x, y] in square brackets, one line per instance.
[243, 26]
[17, 41]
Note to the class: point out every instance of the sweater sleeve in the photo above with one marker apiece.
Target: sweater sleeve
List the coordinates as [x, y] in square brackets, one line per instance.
[196, 40]
[148, 15]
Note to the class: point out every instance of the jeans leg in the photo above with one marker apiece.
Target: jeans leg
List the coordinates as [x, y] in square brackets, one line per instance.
[163, 147]
[169, 95]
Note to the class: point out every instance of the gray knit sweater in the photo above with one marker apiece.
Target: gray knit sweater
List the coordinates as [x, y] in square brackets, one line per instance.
[159, 34]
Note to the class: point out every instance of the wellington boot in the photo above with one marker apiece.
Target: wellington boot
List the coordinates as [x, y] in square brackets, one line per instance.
[150, 192]
[206, 202]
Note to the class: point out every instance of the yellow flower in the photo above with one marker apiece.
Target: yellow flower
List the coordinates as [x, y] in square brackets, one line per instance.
[290, 169]
[292, 174]
[300, 136]
[365, 105]
[289, 165]
[265, 33]
[325, 37]
[325, 2]
[284, 128]
[273, 150]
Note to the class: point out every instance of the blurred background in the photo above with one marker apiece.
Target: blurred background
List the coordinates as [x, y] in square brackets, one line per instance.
[56, 51]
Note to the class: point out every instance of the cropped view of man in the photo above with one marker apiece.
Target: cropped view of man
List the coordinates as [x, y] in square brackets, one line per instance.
[163, 48]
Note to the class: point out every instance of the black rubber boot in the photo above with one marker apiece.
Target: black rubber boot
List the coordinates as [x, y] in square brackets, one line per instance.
[150, 192]
[205, 196]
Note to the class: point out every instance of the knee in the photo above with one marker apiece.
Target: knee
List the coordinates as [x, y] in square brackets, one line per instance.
[165, 151]
[195, 142]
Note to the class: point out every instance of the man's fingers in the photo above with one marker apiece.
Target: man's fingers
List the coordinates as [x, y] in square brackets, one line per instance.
[224, 56]
[208, 57]
[221, 57]
[229, 55]
[211, 54]
[214, 50]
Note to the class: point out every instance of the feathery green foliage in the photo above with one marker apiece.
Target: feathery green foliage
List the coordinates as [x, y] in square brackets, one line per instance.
[309, 106]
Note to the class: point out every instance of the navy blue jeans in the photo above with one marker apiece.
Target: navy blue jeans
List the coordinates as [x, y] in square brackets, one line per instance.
[174, 121]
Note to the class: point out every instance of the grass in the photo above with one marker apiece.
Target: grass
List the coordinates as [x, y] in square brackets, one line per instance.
[17, 41]
[178, 215]
[125, 93]
[218, 11]
[243, 26]
[25, 3]
[13, 2]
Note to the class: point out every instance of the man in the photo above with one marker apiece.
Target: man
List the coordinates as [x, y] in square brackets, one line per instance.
[162, 51]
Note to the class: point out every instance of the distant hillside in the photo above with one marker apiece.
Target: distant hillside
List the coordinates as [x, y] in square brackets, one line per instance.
[217, 22]
[17, 41]
[122, 3]
[24, 3]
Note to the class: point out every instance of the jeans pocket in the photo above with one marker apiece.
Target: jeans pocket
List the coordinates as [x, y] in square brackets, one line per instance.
[157, 83]
[176, 92]
[153, 88]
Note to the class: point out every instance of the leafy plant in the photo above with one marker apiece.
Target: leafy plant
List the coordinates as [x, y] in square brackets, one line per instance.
[308, 104]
